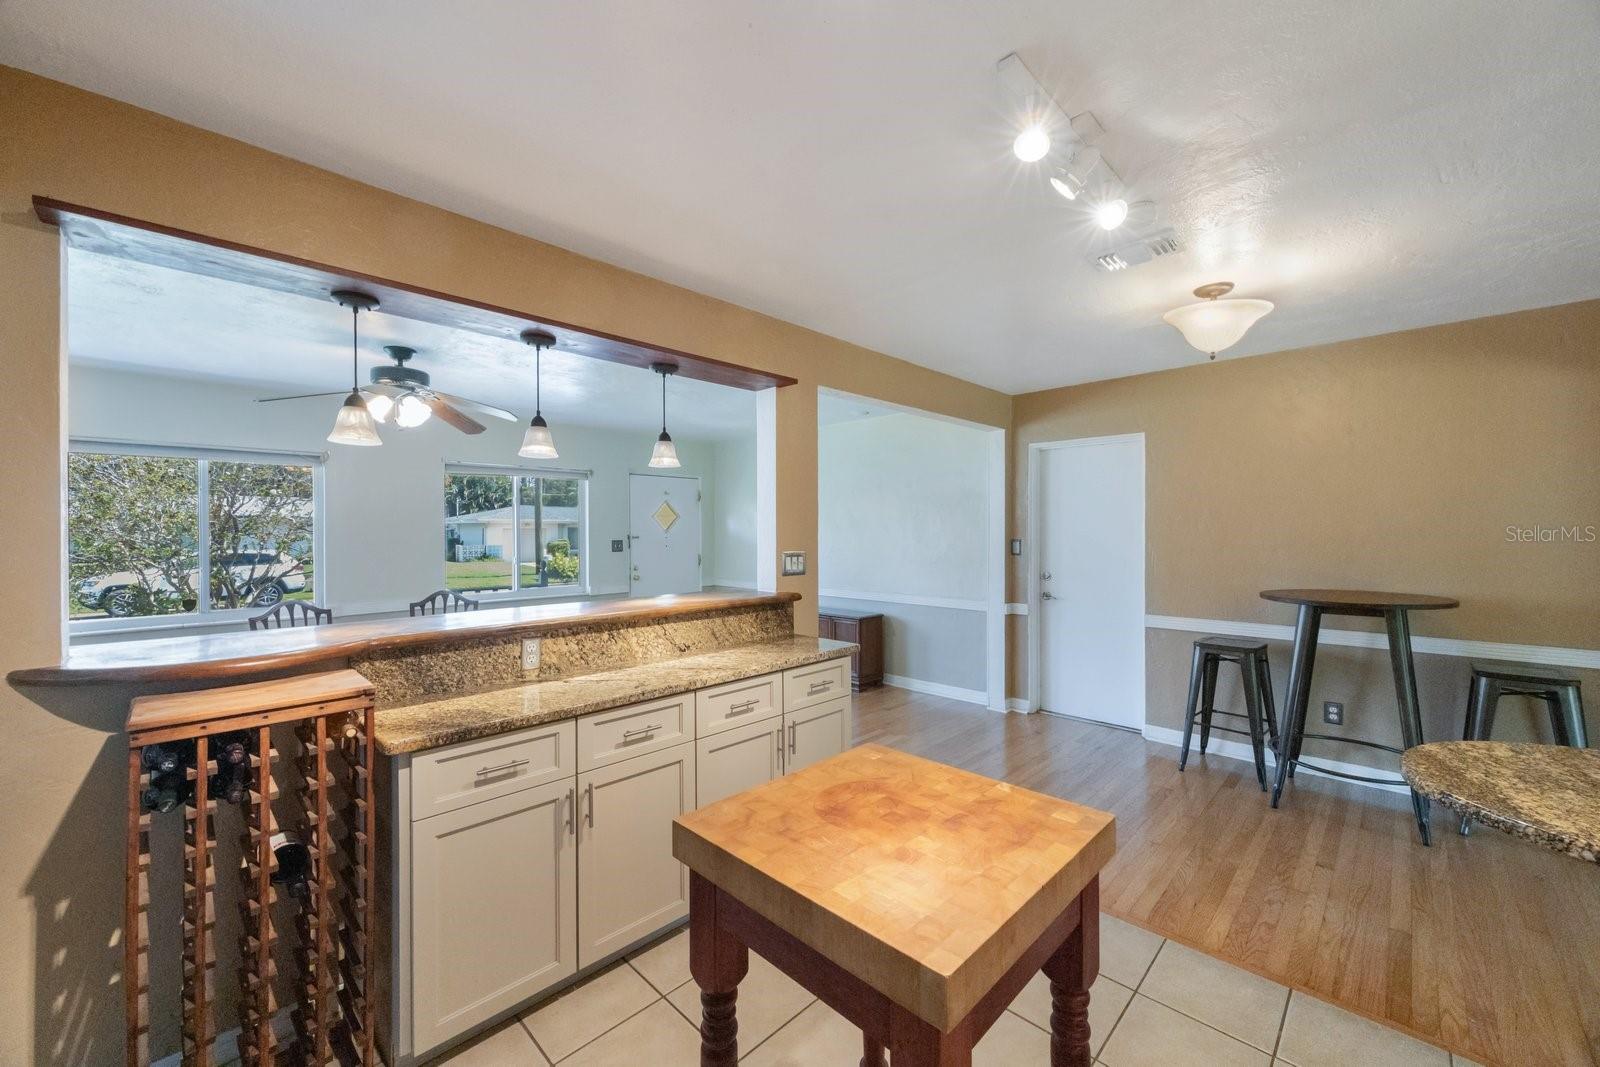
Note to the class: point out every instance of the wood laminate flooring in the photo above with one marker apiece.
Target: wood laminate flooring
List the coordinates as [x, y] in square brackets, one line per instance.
[1486, 945]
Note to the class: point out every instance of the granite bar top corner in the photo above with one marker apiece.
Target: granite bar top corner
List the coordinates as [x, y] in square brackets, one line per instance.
[468, 716]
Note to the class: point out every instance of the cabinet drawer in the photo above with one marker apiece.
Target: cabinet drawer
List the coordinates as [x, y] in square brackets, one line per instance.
[444, 779]
[805, 686]
[734, 704]
[607, 737]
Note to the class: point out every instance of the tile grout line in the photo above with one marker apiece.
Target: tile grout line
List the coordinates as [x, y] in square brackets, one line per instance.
[1283, 1020]
[658, 996]
[1176, 1011]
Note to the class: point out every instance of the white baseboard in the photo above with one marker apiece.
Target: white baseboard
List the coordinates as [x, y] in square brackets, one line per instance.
[1240, 750]
[953, 603]
[1017, 704]
[1547, 655]
[937, 689]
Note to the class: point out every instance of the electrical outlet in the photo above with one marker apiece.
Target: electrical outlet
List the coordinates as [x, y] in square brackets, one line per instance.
[1016, 546]
[1333, 713]
[530, 653]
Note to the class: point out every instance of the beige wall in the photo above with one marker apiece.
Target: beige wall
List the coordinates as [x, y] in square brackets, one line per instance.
[61, 803]
[1393, 462]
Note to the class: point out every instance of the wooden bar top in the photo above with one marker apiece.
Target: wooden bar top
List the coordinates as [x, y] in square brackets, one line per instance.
[156, 714]
[926, 881]
[230, 655]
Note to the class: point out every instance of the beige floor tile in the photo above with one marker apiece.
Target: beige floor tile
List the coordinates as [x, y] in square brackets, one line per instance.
[657, 1036]
[1238, 1003]
[768, 998]
[1317, 1034]
[1126, 950]
[583, 1013]
[1153, 1035]
[507, 1046]
[665, 964]
[1012, 1042]
[1106, 1001]
[817, 1036]
[1462, 1061]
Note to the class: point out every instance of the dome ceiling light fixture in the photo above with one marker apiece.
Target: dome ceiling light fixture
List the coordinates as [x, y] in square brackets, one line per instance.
[1215, 325]
[537, 442]
[665, 454]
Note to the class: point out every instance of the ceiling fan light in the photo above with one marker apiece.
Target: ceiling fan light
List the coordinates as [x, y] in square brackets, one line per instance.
[380, 407]
[1214, 326]
[665, 454]
[537, 442]
[411, 411]
[353, 425]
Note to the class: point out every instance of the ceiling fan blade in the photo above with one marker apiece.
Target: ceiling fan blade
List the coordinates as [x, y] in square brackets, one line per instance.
[473, 405]
[300, 396]
[451, 415]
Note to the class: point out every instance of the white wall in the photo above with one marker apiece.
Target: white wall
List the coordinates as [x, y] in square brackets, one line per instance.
[384, 506]
[731, 523]
[903, 516]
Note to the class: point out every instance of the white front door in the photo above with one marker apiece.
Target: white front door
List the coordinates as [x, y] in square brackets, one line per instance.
[1091, 579]
[664, 530]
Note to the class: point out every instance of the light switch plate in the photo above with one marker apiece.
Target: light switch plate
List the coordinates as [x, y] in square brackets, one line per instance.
[794, 563]
[530, 653]
[1016, 546]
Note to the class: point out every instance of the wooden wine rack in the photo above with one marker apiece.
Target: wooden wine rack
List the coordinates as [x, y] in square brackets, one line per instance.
[324, 795]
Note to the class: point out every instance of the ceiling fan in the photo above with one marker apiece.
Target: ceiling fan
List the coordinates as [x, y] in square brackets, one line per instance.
[402, 395]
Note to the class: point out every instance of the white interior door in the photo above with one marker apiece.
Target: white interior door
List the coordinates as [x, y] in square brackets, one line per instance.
[664, 530]
[1091, 579]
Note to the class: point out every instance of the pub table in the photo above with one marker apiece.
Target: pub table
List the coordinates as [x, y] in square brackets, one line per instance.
[1394, 609]
[914, 899]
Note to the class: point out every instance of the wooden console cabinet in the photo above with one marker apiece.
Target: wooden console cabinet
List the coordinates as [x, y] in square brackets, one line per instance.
[864, 628]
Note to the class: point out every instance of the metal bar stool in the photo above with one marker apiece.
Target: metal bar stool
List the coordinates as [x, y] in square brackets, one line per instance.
[1562, 693]
[1251, 656]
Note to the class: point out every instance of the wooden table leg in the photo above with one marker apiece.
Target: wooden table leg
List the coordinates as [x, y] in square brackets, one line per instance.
[1307, 625]
[718, 961]
[1405, 687]
[872, 1053]
[915, 1043]
[1072, 970]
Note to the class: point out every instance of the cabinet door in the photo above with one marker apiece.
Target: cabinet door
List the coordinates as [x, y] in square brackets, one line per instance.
[735, 760]
[630, 883]
[494, 908]
[816, 733]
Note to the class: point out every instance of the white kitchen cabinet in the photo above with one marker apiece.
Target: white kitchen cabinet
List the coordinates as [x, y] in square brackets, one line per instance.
[816, 732]
[494, 915]
[629, 882]
[734, 760]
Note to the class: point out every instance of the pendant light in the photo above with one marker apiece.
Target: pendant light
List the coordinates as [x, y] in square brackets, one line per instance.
[665, 454]
[1214, 325]
[537, 442]
[353, 425]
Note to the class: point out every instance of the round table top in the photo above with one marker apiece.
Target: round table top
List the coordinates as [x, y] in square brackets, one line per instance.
[1360, 598]
[1548, 794]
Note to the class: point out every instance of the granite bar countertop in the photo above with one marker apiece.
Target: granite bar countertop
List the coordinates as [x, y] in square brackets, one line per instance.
[1547, 794]
[466, 716]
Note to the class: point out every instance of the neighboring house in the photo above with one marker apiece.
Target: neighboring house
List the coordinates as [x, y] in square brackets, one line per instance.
[488, 533]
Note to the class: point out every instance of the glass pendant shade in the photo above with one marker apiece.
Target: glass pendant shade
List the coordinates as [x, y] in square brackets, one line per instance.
[537, 442]
[353, 425]
[1214, 326]
[411, 411]
[665, 454]
[380, 407]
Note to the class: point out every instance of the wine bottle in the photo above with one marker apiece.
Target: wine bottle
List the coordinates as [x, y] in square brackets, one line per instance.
[294, 865]
[165, 792]
[231, 749]
[168, 758]
[230, 784]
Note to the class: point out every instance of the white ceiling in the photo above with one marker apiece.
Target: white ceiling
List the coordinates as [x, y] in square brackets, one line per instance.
[139, 317]
[1369, 165]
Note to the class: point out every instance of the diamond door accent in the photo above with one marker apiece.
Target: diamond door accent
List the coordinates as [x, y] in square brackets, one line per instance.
[665, 516]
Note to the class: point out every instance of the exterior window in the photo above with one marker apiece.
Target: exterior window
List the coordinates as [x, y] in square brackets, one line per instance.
[144, 524]
[514, 533]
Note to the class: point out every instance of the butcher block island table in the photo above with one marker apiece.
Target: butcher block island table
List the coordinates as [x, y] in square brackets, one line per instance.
[913, 898]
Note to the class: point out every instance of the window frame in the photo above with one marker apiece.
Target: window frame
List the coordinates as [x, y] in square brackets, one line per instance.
[517, 474]
[203, 614]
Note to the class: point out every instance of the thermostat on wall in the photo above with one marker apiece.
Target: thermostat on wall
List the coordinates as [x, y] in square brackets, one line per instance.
[794, 563]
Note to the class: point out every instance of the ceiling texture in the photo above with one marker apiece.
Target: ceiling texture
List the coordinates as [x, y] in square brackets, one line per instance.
[1370, 166]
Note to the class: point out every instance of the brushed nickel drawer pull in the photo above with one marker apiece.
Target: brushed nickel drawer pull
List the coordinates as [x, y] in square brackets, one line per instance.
[791, 737]
[484, 772]
[637, 730]
[740, 709]
[820, 687]
[572, 811]
[588, 791]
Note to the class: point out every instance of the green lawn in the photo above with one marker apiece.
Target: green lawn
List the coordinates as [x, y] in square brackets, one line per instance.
[485, 575]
